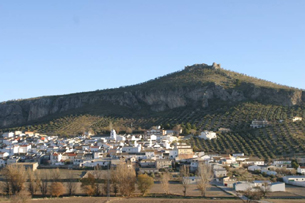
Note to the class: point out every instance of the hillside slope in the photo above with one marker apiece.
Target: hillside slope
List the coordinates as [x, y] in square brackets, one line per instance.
[195, 87]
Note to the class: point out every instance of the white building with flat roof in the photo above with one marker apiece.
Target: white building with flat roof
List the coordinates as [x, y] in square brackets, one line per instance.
[208, 135]
[272, 187]
[295, 180]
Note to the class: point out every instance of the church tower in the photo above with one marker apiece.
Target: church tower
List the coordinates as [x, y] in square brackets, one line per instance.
[112, 134]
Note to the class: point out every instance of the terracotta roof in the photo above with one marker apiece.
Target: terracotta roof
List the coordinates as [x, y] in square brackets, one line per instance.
[70, 154]
[156, 152]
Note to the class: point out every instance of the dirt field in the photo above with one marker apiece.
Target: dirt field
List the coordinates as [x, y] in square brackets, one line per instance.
[131, 200]
[285, 200]
[292, 192]
[283, 195]
[300, 191]
[176, 189]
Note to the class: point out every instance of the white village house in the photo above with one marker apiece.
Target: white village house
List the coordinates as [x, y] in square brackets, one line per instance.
[297, 118]
[295, 180]
[208, 135]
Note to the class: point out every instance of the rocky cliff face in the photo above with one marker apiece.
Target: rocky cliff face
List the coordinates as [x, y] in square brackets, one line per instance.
[19, 112]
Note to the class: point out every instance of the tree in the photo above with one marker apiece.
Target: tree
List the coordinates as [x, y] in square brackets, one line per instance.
[184, 174]
[177, 129]
[5, 183]
[15, 177]
[115, 181]
[98, 176]
[44, 183]
[88, 184]
[237, 82]
[22, 197]
[34, 181]
[55, 175]
[165, 182]
[188, 126]
[264, 189]
[127, 177]
[107, 185]
[128, 130]
[193, 131]
[145, 183]
[251, 195]
[167, 126]
[294, 164]
[89, 189]
[205, 175]
[92, 184]
[71, 184]
[57, 189]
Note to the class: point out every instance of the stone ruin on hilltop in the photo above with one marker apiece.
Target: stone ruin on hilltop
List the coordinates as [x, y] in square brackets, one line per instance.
[214, 66]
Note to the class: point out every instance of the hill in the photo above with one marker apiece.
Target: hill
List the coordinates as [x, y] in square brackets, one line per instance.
[194, 87]
[200, 97]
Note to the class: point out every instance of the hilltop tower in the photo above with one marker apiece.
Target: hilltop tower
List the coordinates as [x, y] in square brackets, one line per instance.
[216, 66]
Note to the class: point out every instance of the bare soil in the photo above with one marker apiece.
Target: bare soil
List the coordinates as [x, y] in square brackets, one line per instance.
[285, 200]
[299, 191]
[129, 200]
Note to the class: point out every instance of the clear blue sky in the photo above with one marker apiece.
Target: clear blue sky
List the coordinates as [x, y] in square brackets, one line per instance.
[59, 47]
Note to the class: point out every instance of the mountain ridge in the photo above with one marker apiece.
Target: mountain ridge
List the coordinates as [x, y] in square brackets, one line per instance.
[195, 86]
